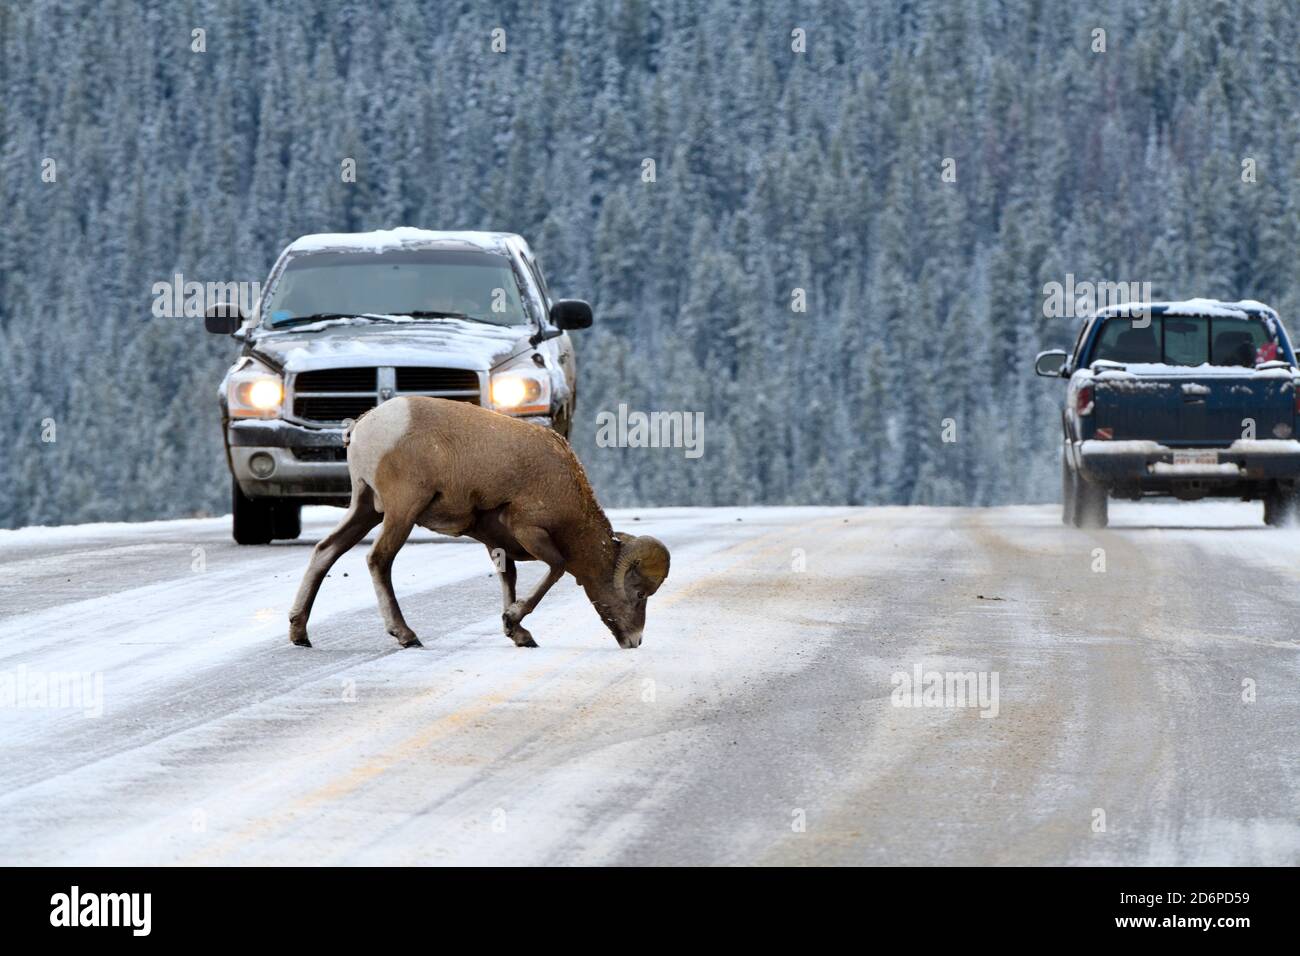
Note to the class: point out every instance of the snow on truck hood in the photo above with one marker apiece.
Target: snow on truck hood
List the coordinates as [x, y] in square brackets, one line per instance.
[450, 343]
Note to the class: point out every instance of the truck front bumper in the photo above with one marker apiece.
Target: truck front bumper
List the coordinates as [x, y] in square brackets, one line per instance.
[277, 459]
[1150, 464]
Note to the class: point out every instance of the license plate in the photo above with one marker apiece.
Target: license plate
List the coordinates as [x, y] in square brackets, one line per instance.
[1196, 458]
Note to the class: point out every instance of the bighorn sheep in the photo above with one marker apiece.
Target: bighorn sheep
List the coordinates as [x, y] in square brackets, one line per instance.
[459, 469]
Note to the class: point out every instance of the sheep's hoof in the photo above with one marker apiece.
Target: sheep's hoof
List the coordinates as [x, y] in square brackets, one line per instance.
[408, 639]
[299, 639]
[520, 636]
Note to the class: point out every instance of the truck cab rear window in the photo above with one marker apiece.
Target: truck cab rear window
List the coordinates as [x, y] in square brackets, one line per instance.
[1187, 340]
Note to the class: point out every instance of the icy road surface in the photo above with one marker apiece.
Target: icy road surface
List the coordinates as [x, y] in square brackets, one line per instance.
[1147, 713]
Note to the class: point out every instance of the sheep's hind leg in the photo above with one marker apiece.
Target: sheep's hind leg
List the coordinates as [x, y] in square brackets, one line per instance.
[361, 516]
[397, 528]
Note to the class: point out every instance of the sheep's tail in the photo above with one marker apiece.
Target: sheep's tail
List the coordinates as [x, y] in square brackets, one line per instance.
[349, 426]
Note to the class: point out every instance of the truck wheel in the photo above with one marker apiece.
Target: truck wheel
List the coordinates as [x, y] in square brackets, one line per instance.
[251, 522]
[1281, 507]
[563, 424]
[1092, 504]
[286, 520]
[1069, 492]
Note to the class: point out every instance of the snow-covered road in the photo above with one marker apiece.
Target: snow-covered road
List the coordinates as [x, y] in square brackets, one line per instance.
[1135, 697]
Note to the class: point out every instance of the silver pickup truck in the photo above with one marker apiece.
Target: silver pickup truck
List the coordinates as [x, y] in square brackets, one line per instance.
[346, 321]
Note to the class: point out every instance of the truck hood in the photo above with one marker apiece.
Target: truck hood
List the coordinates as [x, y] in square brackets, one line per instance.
[447, 343]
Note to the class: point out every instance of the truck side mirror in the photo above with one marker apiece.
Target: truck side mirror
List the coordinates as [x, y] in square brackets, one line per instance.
[571, 314]
[223, 318]
[1050, 364]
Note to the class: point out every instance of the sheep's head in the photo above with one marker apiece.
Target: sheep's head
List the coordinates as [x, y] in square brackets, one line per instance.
[639, 569]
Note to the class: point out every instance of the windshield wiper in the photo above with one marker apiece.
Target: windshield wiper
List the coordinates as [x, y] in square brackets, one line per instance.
[393, 317]
[330, 316]
[439, 314]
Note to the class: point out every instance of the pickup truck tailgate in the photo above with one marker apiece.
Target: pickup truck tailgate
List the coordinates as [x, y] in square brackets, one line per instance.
[1194, 410]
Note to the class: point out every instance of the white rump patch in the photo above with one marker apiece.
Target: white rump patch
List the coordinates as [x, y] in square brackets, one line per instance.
[373, 437]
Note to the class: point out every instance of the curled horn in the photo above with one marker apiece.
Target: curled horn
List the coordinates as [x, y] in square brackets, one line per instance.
[645, 553]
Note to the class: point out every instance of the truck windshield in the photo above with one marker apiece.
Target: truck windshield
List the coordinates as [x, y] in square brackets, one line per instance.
[477, 285]
[1188, 340]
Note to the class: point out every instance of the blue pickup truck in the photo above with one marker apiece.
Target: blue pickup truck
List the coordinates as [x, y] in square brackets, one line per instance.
[1190, 399]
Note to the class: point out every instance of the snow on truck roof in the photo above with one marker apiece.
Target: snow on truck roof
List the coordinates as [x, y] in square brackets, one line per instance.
[1213, 308]
[402, 237]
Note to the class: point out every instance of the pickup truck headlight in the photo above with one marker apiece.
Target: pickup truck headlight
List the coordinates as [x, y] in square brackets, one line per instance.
[254, 392]
[521, 387]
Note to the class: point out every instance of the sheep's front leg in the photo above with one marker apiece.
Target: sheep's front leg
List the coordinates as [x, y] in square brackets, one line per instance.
[539, 544]
[380, 560]
[507, 574]
[356, 524]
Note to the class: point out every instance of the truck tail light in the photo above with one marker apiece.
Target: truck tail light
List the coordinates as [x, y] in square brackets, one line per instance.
[1083, 400]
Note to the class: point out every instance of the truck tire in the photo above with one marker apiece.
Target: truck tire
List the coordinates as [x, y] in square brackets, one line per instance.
[1091, 504]
[250, 519]
[1281, 507]
[1069, 492]
[286, 520]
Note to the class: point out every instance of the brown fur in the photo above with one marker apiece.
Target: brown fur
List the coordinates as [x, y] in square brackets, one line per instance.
[517, 487]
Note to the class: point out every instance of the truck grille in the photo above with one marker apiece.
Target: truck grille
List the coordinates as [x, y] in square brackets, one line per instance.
[333, 395]
[335, 409]
[337, 380]
[436, 380]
